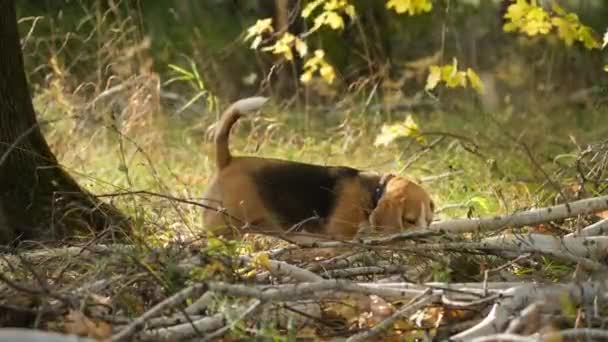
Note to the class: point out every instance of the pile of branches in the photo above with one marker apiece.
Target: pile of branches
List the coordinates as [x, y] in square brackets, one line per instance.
[364, 290]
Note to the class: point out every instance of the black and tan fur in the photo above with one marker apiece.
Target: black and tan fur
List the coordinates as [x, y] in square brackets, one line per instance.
[296, 200]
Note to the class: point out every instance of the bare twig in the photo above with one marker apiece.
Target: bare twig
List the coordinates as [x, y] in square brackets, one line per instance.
[598, 228]
[157, 309]
[253, 305]
[416, 303]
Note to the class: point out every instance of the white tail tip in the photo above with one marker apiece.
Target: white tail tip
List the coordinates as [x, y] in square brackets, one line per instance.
[249, 104]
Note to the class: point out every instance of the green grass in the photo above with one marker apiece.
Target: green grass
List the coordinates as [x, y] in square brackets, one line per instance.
[175, 159]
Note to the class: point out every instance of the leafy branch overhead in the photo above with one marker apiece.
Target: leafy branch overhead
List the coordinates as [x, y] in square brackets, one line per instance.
[523, 16]
[528, 17]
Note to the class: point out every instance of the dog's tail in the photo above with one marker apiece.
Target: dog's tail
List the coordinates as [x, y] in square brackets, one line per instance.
[228, 119]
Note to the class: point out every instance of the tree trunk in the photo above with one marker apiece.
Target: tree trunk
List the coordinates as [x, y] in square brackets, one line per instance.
[38, 199]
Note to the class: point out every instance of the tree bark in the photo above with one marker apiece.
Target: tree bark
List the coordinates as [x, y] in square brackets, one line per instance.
[38, 199]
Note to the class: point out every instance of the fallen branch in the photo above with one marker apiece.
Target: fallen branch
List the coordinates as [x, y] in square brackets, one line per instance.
[594, 248]
[598, 228]
[250, 309]
[175, 299]
[185, 330]
[30, 335]
[525, 218]
[459, 226]
[281, 268]
[518, 298]
[416, 303]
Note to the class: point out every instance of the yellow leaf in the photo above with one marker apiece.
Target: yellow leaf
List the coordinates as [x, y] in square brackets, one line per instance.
[283, 46]
[408, 128]
[256, 42]
[433, 78]
[328, 74]
[310, 7]
[605, 43]
[350, 11]
[306, 77]
[411, 7]
[476, 82]
[317, 63]
[606, 68]
[261, 260]
[586, 36]
[261, 26]
[565, 30]
[301, 47]
[334, 20]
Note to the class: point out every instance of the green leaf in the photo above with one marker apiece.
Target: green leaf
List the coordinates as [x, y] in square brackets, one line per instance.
[480, 202]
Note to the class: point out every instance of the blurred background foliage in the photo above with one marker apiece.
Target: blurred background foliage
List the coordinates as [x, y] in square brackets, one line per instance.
[160, 71]
[382, 53]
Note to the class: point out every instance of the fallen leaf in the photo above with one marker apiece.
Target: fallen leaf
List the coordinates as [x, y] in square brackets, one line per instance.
[79, 324]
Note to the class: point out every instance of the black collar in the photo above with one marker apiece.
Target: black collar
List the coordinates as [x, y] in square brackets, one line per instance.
[378, 193]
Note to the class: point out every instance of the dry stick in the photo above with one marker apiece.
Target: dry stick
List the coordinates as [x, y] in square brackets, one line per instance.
[459, 226]
[200, 304]
[505, 338]
[254, 305]
[518, 297]
[175, 299]
[564, 256]
[595, 334]
[594, 247]
[365, 270]
[598, 228]
[416, 303]
[183, 331]
[526, 317]
[429, 179]
[29, 335]
[525, 218]
[291, 292]
[281, 268]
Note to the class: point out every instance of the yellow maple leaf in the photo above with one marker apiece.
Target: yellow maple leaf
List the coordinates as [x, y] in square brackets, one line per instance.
[334, 20]
[411, 7]
[301, 47]
[328, 73]
[318, 63]
[565, 30]
[310, 7]
[475, 81]
[408, 128]
[260, 26]
[283, 46]
[434, 77]
[306, 76]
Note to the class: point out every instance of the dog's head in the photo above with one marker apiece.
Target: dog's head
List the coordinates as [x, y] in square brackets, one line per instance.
[403, 205]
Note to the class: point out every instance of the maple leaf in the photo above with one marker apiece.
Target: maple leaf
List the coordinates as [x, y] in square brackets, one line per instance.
[475, 81]
[411, 7]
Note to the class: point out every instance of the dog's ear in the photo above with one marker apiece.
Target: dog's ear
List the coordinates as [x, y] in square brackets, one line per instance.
[387, 217]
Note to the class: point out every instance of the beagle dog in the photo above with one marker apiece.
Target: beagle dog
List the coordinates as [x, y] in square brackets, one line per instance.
[299, 202]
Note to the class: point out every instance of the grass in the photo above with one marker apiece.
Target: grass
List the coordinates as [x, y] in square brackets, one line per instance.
[176, 158]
